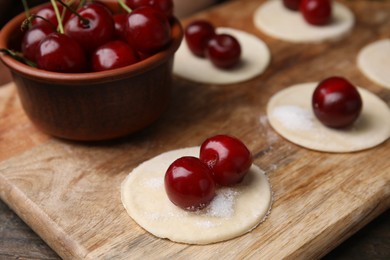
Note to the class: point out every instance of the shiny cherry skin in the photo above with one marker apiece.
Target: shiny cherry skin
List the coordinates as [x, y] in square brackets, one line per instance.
[224, 51]
[316, 12]
[165, 6]
[60, 53]
[148, 30]
[292, 4]
[112, 55]
[33, 37]
[189, 183]
[227, 157]
[47, 12]
[120, 25]
[336, 102]
[197, 35]
[99, 30]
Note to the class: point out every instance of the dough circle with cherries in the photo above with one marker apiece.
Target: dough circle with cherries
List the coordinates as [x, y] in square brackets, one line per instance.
[277, 21]
[374, 61]
[234, 210]
[255, 57]
[290, 114]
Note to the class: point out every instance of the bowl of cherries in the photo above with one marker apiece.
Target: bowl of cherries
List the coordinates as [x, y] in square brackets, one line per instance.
[93, 70]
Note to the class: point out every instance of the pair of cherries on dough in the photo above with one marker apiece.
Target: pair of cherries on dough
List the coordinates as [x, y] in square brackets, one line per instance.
[315, 12]
[223, 50]
[190, 182]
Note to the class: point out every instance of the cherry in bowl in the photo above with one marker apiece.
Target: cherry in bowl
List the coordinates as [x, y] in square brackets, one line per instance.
[189, 183]
[227, 157]
[336, 102]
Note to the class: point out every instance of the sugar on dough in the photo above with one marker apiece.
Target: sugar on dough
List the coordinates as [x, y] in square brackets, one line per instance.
[290, 114]
[233, 212]
[277, 21]
[255, 57]
[374, 61]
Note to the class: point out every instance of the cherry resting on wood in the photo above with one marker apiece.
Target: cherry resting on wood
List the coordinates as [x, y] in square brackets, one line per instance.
[112, 55]
[292, 4]
[197, 35]
[223, 51]
[189, 183]
[316, 12]
[336, 102]
[227, 157]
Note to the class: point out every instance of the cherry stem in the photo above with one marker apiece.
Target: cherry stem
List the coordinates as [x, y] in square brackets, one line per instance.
[18, 57]
[26, 9]
[58, 15]
[27, 22]
[84, 20]
[124, 6]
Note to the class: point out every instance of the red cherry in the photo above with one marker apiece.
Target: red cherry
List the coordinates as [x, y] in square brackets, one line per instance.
[224, 51]
[47, 12]
[112, 55]
[148, 30]
[60, 53]
[99, 30]
[197, 35]
[336, 102]
[316, 12]
[189, 183]
[292, 4]
[33, 37]
[227, 157]
[120, 25]
[165, 6]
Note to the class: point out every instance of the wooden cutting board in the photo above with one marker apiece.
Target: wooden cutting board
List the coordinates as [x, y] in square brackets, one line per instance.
[69, 193]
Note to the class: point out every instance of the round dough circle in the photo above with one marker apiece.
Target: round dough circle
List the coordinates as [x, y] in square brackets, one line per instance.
[373, 60]
[290, 114]
[255, 57]
[233, 212]
[277, 21]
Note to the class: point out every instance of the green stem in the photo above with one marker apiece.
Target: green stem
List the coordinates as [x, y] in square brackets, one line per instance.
[27, 22]
[58, 15]
[26, 8]
[84, 20]
[124, 6]
[18, 57]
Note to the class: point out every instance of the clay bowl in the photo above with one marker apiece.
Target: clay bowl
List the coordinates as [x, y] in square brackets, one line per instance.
[97, 105]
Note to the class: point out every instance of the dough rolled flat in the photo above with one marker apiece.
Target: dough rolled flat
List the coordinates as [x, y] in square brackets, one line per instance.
[290, 114]
[374, 61]
[255, 57]
[233, 212]
[274, 19]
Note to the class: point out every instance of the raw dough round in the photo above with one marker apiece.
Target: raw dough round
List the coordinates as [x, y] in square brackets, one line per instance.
[255, 57]
[374, 61]
[233, 212]
[290, 114]
[277, 21]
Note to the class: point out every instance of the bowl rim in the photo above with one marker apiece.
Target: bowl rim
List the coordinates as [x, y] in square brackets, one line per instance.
[86, 77]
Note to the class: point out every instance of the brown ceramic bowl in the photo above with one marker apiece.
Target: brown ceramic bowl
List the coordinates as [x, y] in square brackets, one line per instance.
[97, 105]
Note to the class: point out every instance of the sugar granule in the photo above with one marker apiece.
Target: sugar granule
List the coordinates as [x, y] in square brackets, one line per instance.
[294, 117]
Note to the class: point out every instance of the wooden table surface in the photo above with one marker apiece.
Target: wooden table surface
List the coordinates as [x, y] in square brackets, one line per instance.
[18, 241]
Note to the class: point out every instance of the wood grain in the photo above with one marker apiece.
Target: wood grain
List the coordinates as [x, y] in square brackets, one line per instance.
[68, 192]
